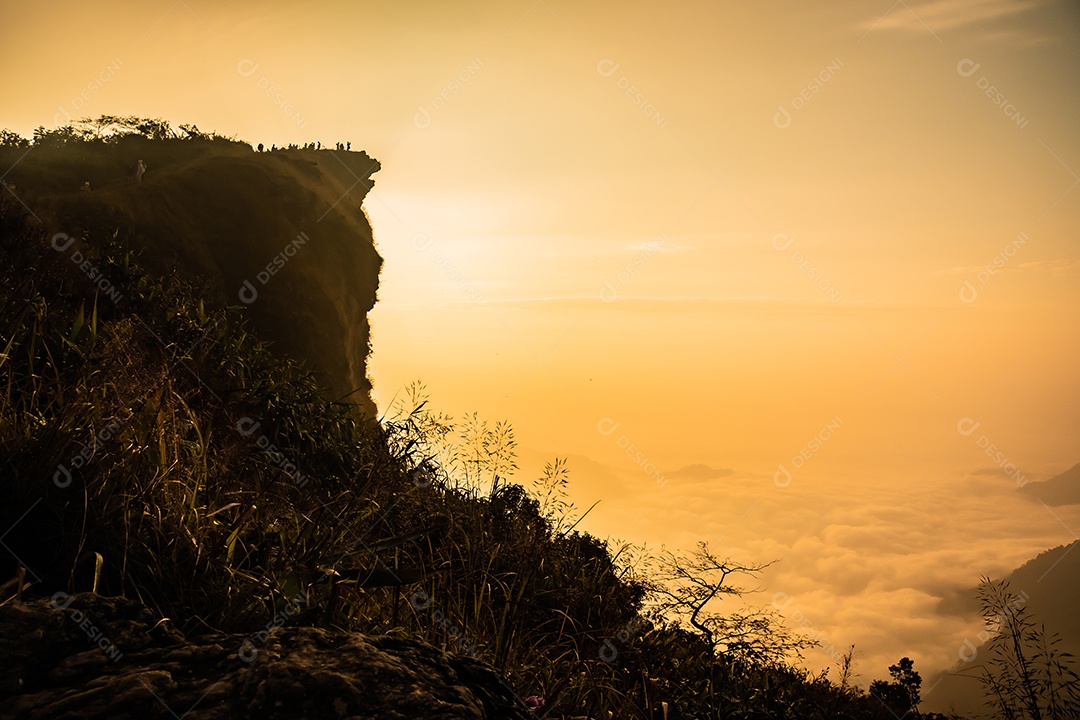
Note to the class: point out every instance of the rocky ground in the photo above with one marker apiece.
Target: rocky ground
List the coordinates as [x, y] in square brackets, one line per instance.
[87, 656]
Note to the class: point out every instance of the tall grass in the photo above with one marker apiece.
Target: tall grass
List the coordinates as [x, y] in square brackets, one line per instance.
[1026, 675]
[119, 435]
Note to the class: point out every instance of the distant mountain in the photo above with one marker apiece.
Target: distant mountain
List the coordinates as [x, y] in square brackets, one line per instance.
[1063, 489]
[280, 232]
[1050, 582]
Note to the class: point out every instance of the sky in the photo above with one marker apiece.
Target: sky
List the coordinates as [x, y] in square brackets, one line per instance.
[799, 281]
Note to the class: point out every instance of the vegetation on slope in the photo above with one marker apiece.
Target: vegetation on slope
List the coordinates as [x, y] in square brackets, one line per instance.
[152, 446]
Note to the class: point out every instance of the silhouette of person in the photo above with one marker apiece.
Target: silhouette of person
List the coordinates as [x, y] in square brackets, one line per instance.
[348, 145]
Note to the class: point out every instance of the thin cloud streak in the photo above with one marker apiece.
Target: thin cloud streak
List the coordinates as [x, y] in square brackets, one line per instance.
[943, 15]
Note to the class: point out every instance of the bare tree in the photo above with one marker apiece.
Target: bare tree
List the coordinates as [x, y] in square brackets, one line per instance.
[685, 587]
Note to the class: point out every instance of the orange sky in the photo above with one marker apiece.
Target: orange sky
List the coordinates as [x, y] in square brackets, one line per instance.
[722, 226]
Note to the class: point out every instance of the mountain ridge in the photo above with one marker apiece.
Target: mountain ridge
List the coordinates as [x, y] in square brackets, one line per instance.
[1062, 489]
[1046, 585]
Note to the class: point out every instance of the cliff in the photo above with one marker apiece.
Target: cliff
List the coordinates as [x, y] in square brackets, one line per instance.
[281, 232]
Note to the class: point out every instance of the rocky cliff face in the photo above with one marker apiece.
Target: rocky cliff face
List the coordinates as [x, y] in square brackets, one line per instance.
[87, 656]
[282, 233]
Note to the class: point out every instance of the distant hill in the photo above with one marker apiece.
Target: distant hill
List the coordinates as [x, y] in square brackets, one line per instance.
[286, 227]
[1050, 582]
[1063, 489]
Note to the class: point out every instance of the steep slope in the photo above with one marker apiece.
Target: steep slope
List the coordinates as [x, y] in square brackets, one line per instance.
[283, 233]
[1063, 489]
[1047, 584]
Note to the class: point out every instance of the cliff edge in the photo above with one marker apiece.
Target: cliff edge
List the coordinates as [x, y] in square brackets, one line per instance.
[281, 232]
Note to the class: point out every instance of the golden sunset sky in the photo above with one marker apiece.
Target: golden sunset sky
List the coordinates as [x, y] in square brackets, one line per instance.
[796, 279]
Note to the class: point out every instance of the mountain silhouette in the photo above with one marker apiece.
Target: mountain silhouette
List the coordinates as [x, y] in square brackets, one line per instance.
[1048, 583]
[1063, 489]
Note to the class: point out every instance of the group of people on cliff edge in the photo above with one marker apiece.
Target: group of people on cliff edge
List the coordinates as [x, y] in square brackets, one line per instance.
[344, 147]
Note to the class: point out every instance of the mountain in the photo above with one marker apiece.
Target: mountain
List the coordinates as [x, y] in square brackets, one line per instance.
[281, 232]
[1063, 489]
[1047, 584]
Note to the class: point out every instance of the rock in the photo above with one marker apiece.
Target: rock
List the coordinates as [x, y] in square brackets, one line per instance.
[87, 656]
[283, 234]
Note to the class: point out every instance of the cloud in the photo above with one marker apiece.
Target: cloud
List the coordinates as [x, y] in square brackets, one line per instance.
[886, 562]
[942, 15]
[660, 245]
[699, 471]
[1054, 268]
[991, 471]
[681, 303]
[1057, 268]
